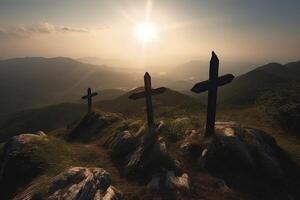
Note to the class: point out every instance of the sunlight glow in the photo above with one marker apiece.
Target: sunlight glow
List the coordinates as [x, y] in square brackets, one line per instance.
[146, 32]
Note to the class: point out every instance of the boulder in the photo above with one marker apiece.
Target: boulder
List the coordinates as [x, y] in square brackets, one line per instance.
[77, 183]
[123, 142]
[193, 144]
[18, 163]
[143, 156]
[245, 158]
[169, 181]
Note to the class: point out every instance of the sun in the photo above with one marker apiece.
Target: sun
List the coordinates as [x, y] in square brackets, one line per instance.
[146, 32]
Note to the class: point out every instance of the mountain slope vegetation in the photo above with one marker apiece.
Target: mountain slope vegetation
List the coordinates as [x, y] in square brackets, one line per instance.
[29, 82]
[247, 88]
[40, 119]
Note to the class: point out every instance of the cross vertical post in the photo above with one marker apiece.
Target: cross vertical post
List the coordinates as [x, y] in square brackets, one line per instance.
[147, 94]
[212, 95]
[89, 97]
[148, 88]
[211, 86]
[89, 91]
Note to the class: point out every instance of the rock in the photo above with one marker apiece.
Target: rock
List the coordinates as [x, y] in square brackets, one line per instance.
[41, 133]
[18, 165]
[124, 142]
[92, 124]
[145, 159]
[142, 155]
[192, 144]
[243, 157]
[78, 183]
[169, 181]
[180, 182]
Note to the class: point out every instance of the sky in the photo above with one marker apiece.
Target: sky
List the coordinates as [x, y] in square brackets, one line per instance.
[240, 30]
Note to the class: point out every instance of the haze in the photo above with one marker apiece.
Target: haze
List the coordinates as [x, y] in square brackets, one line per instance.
[240, 31]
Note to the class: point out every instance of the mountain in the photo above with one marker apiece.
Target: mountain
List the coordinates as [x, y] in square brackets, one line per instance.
[245, 89]
[289, 71]
[29, 82]
[169, 99]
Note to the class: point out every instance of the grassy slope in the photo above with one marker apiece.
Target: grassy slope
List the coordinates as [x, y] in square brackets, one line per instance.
[45, 119]
[93, 154]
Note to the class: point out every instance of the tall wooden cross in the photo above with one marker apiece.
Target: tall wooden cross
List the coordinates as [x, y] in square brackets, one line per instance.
[147, 93]
[89, 97]
[211, 86]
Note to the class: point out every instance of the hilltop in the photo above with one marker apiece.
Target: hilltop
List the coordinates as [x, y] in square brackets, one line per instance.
[227, 167]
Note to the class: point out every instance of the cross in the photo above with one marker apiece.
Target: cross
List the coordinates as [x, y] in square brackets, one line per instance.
[211, 86]
[147, 93]
[89, 97]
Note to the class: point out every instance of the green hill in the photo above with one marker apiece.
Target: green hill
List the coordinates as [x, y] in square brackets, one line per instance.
[57, 116]
[30, 82]
[170, 99]
[247, 88]
[45, 119]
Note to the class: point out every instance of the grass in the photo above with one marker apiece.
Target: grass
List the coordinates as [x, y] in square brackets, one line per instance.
[55, 156]
[60, 155]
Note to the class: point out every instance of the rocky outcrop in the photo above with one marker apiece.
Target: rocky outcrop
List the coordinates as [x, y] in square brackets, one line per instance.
[92, 124]
[247, 159]
[77, 183]
[143, 156]
[169, 181]
[18, 165]
[123, 142]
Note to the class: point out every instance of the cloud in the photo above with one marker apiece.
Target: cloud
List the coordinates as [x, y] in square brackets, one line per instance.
[75, 30]
[25, 31]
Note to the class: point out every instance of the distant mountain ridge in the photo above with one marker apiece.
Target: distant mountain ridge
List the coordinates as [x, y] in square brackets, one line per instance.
[245, 89]
[288, 71]
[36, 81]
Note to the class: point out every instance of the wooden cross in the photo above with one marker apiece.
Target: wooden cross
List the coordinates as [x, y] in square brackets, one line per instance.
[89, 97]
[147, 93]
[211, 86]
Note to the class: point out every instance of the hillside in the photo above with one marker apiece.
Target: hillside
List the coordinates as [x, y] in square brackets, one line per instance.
[245, 89]
[29, 82]
[52, 117]
[45, 119]
[246, 165]
[108, 94]
[170, 99]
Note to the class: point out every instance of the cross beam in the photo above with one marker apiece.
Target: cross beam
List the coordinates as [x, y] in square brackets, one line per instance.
[211, 86]
[89, 97]
[147, 94]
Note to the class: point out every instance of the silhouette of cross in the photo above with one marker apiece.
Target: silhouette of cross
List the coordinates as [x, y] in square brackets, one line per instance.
[147, 93]
[89, 97]
[211, 86]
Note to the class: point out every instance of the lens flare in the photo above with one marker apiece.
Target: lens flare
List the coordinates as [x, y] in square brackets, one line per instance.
[146, 32]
